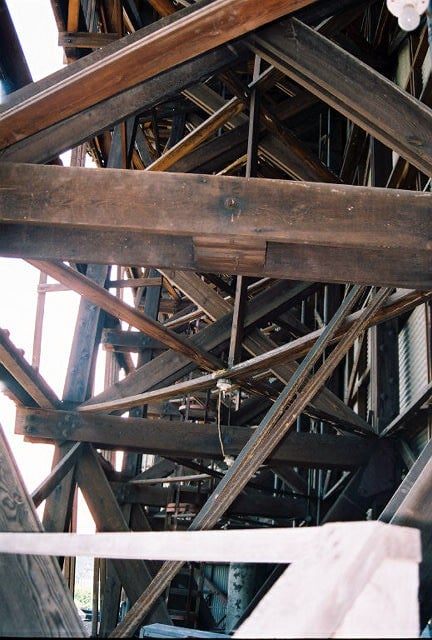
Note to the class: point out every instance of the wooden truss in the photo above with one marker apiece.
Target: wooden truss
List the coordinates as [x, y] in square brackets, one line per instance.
[262, 184]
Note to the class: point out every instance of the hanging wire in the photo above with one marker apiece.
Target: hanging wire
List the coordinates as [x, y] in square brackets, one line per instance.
[219, 403]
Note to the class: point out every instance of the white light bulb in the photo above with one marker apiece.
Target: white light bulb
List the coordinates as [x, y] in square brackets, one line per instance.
[409, 18]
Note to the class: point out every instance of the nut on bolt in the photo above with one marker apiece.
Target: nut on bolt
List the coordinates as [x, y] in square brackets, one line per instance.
[231, 203]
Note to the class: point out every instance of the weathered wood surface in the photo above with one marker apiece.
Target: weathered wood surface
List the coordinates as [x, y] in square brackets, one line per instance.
[23, 610]
[286, 545]
[355, 573]
[332, 232]
[108, 516]
[169, 366]
[276, 211]
[24, 374]
[78, 381]
[363, 95]
[411, 506]
[130, 61]
[293, 261]
[188, 440]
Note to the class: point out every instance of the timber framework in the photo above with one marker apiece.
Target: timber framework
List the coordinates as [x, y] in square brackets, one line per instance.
[245, 213]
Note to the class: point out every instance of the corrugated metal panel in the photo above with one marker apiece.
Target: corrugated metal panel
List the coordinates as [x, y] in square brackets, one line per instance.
[413, 364]
[218, 575]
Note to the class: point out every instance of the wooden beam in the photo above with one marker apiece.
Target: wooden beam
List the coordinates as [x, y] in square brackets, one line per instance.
[85, 40]
[108, 517]
[25, 579]
[169, 366]
[134, 59]
[102, 298]
[43, 146]
[256, 343]
[187, 440]
[78, 381]
[57, 474]
[278, 211]
[411, 506]
[315, 263]
[336, 232]
[251, 545]
[24, 374]
[276, 423]
[364, 96]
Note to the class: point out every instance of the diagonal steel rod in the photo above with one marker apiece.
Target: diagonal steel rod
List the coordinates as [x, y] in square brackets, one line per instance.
[293, 399]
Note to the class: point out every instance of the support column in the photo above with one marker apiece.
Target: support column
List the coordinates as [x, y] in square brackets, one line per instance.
[241, 583]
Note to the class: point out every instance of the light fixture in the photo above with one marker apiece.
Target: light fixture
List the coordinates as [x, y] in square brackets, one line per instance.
[408, 12]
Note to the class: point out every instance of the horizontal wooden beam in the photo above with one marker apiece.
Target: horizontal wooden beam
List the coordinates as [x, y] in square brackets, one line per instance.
[330, 232]
[248, 503]
[133, 59]
[359, 92]
[187, 440]
[252, 545]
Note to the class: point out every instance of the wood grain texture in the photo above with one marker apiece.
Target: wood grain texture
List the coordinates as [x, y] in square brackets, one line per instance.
[129, 62]
[22, 610]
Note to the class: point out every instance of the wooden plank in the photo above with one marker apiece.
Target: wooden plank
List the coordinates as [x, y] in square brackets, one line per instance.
[24, 374]
[78, 381]
[236, 337]
[353, 571]
[44, 145]
[257, 210]
[135, 282]
[360, 93]
[57, 474]
[85, 40]
[118, 340]
[103, 299]
[199, 292]
[408, 268]
[24, 579]
[411, 506]
[187, 440]
[285, 545]
[124, 64]
[108, 517]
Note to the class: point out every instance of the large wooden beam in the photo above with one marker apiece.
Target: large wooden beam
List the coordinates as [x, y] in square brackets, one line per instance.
[187, 440]
[364, 96]
[134, 59]
[331, 232]
[23, 580]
